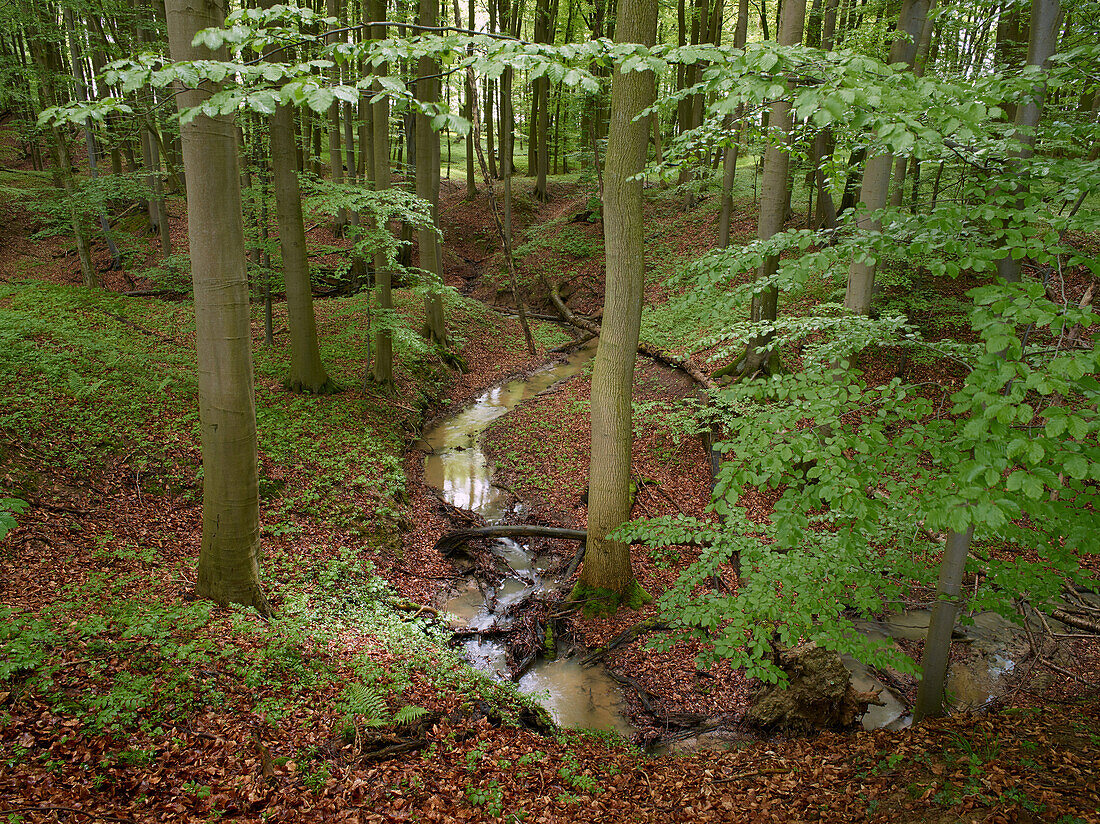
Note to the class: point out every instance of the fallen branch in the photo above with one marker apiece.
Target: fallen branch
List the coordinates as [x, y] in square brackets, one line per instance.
[578, 557]
[127, 322]
[1076, 621]
[452, 540]
[625, 637]
[52, 809]
[1067, 673]
[153, 293]
[753, 774]
[56, 508]
[647, 349]
[642, 693]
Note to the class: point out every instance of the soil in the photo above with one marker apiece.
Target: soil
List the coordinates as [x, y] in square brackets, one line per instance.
[1033, 756]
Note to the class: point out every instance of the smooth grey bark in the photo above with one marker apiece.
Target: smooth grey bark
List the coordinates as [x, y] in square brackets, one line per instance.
[919, 64]
[471, 102]
[1042, 42]
[307, 373]
[729, 158]
[61, 162]
[427, 179]
[774, 198]
[335, 158]
[383, 277]
[937, 646]
[541, 105]
[228, 568]
[75, 52]
[606, 575]
[876, 175]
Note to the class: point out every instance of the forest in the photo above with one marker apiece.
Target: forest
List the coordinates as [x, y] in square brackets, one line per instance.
[564, 410]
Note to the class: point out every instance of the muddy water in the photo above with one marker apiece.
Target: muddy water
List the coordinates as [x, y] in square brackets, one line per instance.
[973, 681]
[456, 465]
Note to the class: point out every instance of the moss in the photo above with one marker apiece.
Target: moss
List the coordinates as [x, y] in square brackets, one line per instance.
[598, 601]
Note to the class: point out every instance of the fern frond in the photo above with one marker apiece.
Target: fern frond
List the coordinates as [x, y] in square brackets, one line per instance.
[408, 714]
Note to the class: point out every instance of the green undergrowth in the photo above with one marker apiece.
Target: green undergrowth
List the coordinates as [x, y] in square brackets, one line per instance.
[91, 378]
[128, 665]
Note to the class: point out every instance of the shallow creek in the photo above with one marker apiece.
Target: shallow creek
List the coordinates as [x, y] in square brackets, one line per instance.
[456, 465]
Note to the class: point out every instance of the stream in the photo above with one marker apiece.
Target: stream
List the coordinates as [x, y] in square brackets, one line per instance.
[457, 466]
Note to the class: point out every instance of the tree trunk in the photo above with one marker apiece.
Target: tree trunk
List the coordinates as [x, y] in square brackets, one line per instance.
[937, 646]
[729, 160]
[876, 176]
[229, 559]
[89, 138]
[606, 579]
[307, 373]
[1041, 45]
[427, 176]
[760, 353]
[383, 277]
[471, 93]
[335, 159]
[541, 90]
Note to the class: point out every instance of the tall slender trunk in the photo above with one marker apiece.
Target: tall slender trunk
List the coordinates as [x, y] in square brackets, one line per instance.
[427, 176]
[937, 645]
[335, 160]
[919, 63]
[307, 373]
[541, 90]
[1042, 42]
[876, 175]
[383, 277]
[729, 159]
[760, 353]
[471, 94]
[89, 137]
[1041, 45]
[228, 568]
[606, 579]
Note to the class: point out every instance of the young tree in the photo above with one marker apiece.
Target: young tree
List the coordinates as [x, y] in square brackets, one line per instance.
[427, 179]
[606, 577]
[380, 126]
[307, 373]
[876, 176]
[229, 559]
[775, 195]
[937, 647]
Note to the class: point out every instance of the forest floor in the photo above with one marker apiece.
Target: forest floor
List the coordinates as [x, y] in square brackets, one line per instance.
[124, 699]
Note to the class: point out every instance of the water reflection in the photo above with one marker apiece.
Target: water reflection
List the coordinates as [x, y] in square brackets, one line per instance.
[457, 466]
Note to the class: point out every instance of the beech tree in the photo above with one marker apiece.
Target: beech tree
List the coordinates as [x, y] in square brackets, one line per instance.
[606, 578]
[876, 175]
[230, 555]
[774, 198]
[307, 373]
